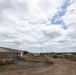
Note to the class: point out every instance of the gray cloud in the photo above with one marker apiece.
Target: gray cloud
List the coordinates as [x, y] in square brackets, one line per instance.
[52, 35]
[5, 4]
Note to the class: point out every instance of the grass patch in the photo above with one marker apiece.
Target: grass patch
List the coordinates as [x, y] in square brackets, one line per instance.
[3, 67]
[7, 66]
[75, 56]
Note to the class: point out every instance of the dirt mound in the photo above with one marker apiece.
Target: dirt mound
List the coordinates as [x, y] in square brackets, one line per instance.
[33, 64]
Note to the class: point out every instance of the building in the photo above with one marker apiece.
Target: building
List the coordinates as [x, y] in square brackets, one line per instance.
[10, 53]
[67, 55]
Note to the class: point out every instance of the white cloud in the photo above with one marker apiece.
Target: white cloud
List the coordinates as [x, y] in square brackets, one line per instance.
[25, 24]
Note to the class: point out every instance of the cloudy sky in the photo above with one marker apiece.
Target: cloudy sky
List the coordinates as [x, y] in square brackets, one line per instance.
[38, 25]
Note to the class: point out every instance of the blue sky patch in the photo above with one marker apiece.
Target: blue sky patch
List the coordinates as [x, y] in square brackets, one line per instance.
[57, 18]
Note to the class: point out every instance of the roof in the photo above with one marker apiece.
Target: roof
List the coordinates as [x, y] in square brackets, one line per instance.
[68, 54]
[2, 49]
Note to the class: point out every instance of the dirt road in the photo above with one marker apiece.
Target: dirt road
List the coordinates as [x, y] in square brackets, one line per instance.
[61, 67]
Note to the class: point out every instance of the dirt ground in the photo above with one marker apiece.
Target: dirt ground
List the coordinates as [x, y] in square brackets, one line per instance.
[59, 67]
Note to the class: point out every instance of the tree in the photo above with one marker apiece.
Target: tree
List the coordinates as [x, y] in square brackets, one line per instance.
[25, 52]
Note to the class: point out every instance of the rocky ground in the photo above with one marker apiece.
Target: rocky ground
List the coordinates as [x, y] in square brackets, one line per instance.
[57, 67]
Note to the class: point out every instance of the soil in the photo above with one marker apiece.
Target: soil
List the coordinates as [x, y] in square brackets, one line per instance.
[56, 67]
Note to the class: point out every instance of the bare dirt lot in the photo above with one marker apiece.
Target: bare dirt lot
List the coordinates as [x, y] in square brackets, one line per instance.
[59, 67]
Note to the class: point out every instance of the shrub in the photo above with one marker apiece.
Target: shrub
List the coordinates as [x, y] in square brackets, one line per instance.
[25, 52]
[6, 61]
[54, 56]
[1, 62]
